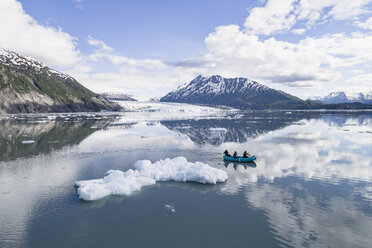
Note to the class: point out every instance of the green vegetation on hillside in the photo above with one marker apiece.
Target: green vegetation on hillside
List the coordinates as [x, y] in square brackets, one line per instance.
[44, 82]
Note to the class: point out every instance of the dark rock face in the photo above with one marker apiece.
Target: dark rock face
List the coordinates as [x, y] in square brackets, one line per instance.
[28, 86]
[239, 93]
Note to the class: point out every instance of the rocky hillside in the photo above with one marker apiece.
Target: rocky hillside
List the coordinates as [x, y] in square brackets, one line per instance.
[29, 86]
[235, 92]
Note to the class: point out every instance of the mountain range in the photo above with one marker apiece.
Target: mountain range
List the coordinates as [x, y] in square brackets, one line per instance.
[28, 86]
[342, 97]
[246, 94]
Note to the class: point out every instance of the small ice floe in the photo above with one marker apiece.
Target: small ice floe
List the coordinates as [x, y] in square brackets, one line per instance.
[170, 207]
[28, 141]
[146, 173]
[238, 116]
[218, 129]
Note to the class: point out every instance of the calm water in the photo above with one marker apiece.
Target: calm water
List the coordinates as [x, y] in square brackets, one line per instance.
[310, 187]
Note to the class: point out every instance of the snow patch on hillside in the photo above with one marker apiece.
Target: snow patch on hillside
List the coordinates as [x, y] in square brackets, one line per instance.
[14, 59]
[215, 86]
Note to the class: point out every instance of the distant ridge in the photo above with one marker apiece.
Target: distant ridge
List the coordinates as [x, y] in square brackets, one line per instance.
[342, 97]
[235, 92]
[113, 96]
[29, 86]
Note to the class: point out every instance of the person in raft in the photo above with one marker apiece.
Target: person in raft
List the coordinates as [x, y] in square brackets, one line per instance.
[245, 154]
[235, 154]
[227, 153]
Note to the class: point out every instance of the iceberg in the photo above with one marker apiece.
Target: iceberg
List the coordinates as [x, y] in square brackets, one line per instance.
[146, 173]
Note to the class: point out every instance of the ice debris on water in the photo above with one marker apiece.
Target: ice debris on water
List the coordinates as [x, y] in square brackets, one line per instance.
[170, 207]
[146, 173]
[28, 141]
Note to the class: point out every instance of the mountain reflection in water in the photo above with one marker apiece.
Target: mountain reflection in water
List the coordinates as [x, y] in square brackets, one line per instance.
[237, 129]
[25, 136]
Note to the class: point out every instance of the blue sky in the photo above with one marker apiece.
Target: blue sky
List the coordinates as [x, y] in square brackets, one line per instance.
[147, 48]
[169, 30]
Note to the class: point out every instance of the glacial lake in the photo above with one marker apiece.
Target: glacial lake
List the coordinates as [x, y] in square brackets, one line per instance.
[311, 185]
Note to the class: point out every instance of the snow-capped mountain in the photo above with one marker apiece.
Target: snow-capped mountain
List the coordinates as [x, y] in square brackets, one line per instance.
[236, 92]
[28, 63]
[342, 97]
[115, 96]
[27, 85]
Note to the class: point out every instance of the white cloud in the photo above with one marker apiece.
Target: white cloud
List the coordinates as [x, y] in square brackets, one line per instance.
[79, 4]
[299, 31]
[100, 44]
[282, 15]
[106, 71]
[21, 33]
[121, 60]
[310, 62]
[237, 53]
[277, 15]
[343, 10]
[365, 25]
[360, 83]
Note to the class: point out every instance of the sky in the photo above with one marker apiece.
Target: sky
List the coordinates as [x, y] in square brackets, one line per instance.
[147, 48]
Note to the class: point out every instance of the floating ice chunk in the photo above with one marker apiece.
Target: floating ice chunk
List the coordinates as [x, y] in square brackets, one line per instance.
[28, 141]
[218, 129]
[146, 173]
[170, 207]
